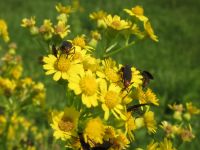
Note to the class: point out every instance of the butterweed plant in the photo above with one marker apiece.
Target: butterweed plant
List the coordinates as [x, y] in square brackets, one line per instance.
[107, 103]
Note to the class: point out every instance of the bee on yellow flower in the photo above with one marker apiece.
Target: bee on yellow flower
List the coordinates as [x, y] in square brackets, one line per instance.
[65, 123]
[4, 30]
[111, 100]
[116, 23]
[138, 12]
[87, 85]
[61, 66]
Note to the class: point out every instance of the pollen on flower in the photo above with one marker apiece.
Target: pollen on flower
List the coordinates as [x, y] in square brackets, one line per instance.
[111, 99]
[88, 85]
[65, 125]
[63, 64]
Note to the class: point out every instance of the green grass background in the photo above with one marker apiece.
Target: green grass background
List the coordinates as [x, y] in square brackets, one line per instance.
[174, 61]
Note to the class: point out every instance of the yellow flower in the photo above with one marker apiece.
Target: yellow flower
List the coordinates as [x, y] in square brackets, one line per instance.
[62, 17]
[166, 145]
[65, 123]
[149, 31]
[63, 9]
[99, 16]
[4, 30]
[61, 67]
[130, 125]
[169, 129]
[94, 132]
[139, 94]
[116, 22]
[111, 100]
[47, 29]
[8, 86]
[136, 80]
[150, 121]
[109, 133]
[192, 109]
[109, 71]
[85, 84]
[151, 97]
[79, 42]
[152, 146]
[120, 142]
[187, 135]
[138, 12]
[61, 29]
[91, 63]
[17, 71]
[28, 22]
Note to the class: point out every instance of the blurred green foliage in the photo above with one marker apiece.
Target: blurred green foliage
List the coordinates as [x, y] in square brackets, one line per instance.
[174, 60]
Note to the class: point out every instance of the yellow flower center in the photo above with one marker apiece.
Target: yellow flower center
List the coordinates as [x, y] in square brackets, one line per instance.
[138, 10]
[116, 23]
[88, 85]
[79, 41]
[63, 64]
[65, 125]
[111, 75]
[111, 99]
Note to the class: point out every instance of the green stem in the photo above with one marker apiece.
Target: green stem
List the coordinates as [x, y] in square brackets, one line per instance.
[119, 49]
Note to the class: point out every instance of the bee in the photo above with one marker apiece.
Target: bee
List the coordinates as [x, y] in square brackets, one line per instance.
[66, 47]
[147, 76]
[126, 76]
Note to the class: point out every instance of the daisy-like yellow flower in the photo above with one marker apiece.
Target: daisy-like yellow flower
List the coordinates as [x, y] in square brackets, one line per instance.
[166, 145]
[111, 100]
[150, 121]
[47, 29]
[116, 23]
[192, 109]
[94, 132]
[130, 125]
[61, 66]
[178, 111]
[79, 42]
[99, 16]
[91, 63]
[109, 133]
[136, 80]
[109, 71]
[151, 97]
[61, 29]
[65, 123]
[152, 146]
[28, 22]
[4, 30]
[169, 129]
[85, 84]
[187, 134]
[17, 71]
[63, 9]
[7, 86]
[120, 142]
[150, 32]
[138, 12]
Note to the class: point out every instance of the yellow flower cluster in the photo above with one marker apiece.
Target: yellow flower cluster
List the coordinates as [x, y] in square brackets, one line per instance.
[4, 30]
[48, 30]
